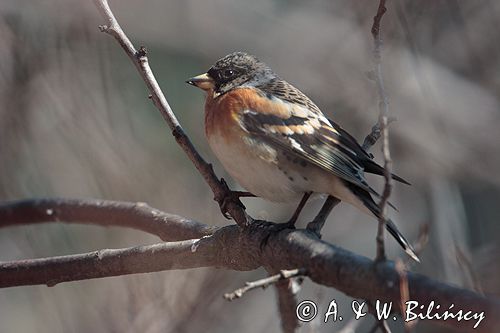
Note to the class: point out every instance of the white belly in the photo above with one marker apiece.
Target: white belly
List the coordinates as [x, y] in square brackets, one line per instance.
[255, 168]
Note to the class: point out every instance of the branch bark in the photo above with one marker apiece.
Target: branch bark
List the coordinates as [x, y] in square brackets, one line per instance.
[141, 62]
[287, 290]
[135, 215]
[229, 247]
[240, 249]
[383, 122]
[264, 283]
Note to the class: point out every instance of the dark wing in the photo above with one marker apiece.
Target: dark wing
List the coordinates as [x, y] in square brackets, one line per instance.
[305, 133]
[369, 165]
[349, 141]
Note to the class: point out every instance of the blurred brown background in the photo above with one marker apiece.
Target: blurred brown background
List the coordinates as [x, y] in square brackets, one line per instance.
[75, 121]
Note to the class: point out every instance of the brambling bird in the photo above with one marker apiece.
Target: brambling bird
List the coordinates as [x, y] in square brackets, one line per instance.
[277, 143]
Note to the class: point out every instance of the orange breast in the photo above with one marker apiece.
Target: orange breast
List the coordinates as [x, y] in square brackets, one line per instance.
[222, 114]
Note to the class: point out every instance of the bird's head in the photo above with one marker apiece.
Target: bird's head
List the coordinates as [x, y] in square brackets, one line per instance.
[233, 71]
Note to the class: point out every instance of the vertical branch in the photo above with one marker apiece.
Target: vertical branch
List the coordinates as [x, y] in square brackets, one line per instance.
[383, 120]
[287, 302]
[140, 60]
[404, 292]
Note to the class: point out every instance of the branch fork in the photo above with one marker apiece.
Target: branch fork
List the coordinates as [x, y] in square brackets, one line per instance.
[266, 282]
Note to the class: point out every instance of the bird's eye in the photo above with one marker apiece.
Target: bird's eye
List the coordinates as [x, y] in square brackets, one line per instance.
[228, 73]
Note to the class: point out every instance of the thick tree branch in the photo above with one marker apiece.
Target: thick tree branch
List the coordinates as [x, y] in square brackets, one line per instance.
[241, 249]
[142, 64]
[107, 262]
[230, 247]
[138, 216]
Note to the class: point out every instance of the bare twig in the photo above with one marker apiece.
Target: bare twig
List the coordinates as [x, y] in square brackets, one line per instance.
[156, 95]
[372, 137]
[466, 265]
[422, 240]
[287, 290]
[375, 134]
[383, 121]
[404, 292]
[403, 283]
[264, 283]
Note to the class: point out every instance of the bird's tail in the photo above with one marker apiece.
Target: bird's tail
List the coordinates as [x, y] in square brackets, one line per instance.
[393, 230]
[371, 167]
[367, 200]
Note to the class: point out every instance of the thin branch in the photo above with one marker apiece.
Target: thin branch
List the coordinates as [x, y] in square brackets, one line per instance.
[403, 283]
[106, 262]
[465, 264]
[264, 283]
[404, 292]
[375, 134]
[372, 137]
[141, 62]
[135, 215]
[287, 302]
[383, 121]
[419, 245]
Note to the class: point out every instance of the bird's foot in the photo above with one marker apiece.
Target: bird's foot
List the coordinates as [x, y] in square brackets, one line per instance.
[272, 229]
[231, 197]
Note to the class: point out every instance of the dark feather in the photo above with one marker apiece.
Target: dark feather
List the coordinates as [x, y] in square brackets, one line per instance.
[369, 165]
[314, 148]
[331, 148]
[372, 167]
[367, 200]
[322, 148]
[270, 119]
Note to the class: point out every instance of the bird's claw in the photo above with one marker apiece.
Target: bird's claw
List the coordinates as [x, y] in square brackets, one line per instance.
[227, 198]
[272, 228]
